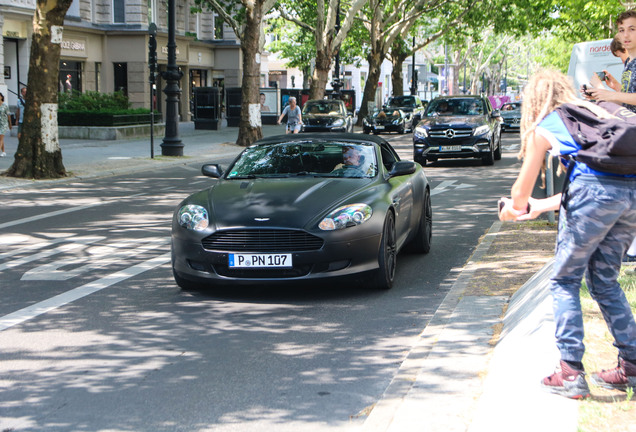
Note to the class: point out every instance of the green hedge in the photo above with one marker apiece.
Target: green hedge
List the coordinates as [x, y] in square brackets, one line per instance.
[103, 118]
[98, 109]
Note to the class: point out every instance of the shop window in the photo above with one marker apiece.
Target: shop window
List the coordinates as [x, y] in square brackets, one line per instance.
[70, 76]
[121, 77]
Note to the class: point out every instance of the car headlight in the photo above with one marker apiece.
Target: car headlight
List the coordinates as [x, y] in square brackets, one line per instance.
[193, 217]
[338, 123]
[483, 129]
[346, 216]
[397, 122]
[420, 132]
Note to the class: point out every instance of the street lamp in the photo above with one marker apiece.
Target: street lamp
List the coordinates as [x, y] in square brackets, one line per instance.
[414, 73]
[336, 83]
[172, 145]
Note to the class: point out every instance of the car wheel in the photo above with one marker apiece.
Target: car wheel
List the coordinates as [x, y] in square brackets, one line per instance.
[421, 161]
[489, 159]
[401, 129]
[387, 256]
[421, 243]
[185, 284]
[498, 149]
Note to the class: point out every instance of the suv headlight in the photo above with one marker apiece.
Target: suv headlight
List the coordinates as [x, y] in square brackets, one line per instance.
[346, 216]
[193, 217]
[420, 132]
[338, 123]
[483, 129]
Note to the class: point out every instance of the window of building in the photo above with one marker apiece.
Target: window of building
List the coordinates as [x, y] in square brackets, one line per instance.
[218, 27]
[121, 77]
[119, 11]
[70, 76]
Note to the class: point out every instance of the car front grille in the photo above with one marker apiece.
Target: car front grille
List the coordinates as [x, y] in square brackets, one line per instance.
[450, 133]
[262, 240]
[299, 271]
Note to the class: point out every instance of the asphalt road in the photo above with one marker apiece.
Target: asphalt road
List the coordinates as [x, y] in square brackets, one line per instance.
[96, 336]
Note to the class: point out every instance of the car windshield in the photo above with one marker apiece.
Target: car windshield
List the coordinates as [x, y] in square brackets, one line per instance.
[322, 108]
[306, 158]
[456, 106]
[402, 101]
[515, 106]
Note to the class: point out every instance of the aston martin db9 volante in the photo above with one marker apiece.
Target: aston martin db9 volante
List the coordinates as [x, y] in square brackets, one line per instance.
[300, 208]
[326, 115]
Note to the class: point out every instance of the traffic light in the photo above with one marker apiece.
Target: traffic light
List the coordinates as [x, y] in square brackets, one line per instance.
[152, 51]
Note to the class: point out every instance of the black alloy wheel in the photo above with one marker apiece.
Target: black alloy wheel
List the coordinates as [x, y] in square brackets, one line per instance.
[421, 243]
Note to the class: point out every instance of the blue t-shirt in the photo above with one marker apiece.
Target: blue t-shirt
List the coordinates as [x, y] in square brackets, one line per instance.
[553, 129]
[628, 81]
[293, 115]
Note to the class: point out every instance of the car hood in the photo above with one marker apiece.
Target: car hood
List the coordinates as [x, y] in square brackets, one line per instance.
[281, 202]
[320, 119]
[454, 121]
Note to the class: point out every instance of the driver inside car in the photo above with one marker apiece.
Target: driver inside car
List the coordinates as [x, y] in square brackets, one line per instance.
[352, 163]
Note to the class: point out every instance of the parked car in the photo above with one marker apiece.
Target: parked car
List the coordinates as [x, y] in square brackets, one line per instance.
[458, 127]
[297, 208]
[408, 104]
[511, 117]
[326, 115]
[394, 120]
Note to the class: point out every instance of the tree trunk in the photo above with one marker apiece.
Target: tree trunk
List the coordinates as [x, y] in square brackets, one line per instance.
[39, 155]
[321, 75]
[397, 79]
[250, 123]
[371, 86]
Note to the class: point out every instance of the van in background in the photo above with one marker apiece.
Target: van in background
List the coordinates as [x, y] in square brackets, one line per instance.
[590, 57]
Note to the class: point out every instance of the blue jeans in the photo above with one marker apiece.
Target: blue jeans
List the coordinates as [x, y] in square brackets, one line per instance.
[595, 229]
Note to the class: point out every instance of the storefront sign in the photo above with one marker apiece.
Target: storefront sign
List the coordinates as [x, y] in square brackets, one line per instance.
[74, 47]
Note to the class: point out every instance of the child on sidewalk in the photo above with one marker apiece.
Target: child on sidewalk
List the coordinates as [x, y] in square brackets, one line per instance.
[596, 225]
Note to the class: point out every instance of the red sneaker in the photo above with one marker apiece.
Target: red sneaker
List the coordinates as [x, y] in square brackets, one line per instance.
[621, 377]
[567, 381]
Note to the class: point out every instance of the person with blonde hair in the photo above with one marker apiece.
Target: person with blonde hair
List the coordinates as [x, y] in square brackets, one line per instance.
[597, 219]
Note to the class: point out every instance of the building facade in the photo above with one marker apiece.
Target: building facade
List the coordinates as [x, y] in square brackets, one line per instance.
[105, 49]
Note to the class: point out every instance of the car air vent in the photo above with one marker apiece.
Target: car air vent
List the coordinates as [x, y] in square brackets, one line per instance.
[262, 240]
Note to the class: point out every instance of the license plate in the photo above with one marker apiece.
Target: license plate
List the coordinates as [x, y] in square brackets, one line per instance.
[379, 127]
[450, 148]
[260, 260]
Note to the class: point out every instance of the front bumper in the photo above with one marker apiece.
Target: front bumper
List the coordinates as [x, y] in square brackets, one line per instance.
[336, 258]
[433, 149]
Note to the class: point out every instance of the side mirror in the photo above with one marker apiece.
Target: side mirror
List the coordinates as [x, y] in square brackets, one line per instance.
[212, 170]
[401, 168]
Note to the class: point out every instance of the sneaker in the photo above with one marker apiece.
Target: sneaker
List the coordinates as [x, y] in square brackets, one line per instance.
[629, 259]
[621, 377]
[567, 381]
[3, 154]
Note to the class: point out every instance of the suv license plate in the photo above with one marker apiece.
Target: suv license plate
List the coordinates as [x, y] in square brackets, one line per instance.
[450, 148]
[260, 260]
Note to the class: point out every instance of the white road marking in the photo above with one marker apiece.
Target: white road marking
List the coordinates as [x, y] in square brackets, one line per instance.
[99, 256]
[449, 184]
[63, 211]
[48, 305]
[77, 243]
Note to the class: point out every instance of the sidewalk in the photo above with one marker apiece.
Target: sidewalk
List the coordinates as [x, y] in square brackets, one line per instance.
[452, 379]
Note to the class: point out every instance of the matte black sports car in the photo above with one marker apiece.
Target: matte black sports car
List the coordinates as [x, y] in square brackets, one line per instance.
[511, 117]
[393, 120]
[303, 207]
[409, 104]
[326, 115]
[458, 127]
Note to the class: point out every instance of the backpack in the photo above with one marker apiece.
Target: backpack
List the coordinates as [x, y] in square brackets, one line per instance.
[607, 145]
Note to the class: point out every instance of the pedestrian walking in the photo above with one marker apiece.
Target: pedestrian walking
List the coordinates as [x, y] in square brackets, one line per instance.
[5, 123]
[294, 117]
[596, 224]
[20, 112]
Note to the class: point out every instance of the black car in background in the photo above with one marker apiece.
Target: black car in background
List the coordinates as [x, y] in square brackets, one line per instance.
[511, 117]
[458, 127]
[385, 120]
[326, 115]
[409, 104]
